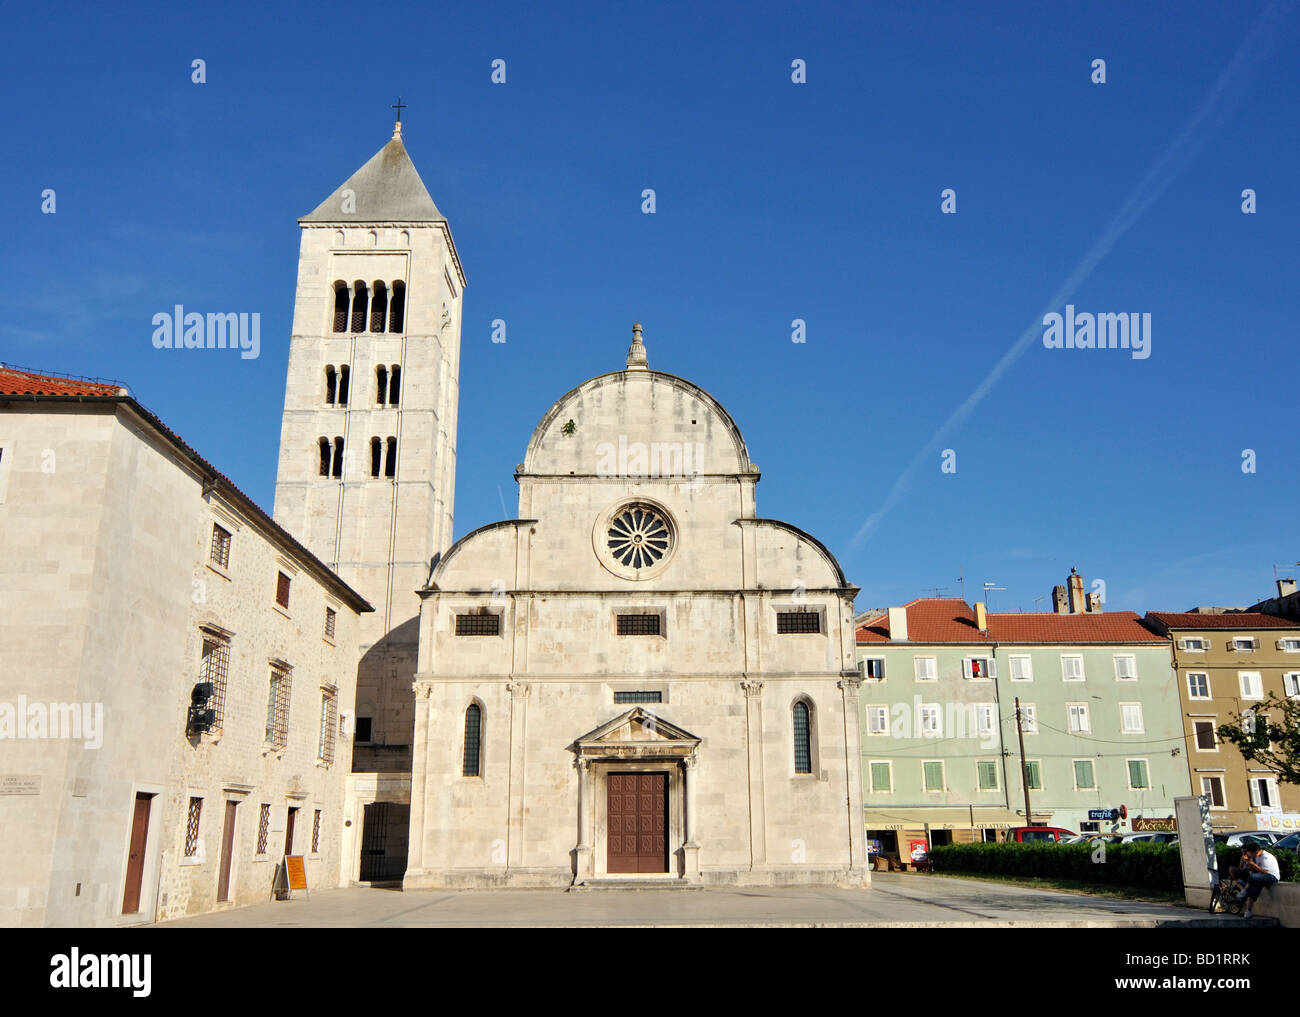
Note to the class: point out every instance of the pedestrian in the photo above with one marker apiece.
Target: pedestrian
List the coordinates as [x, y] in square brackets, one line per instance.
[1259, 869]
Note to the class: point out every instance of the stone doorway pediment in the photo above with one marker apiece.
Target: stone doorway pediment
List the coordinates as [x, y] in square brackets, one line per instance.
[637, 734]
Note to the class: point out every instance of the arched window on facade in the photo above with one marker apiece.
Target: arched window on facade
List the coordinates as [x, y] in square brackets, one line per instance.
[394, 384]
[324, 457]
[360, 304]
[381, 384]
[802, 738]
[331, 384]
[397, 308]
[345, 373]
[379, 308]
[338, 457]
[390, 460]
[473, 761]
[376, 456]
[340, 307]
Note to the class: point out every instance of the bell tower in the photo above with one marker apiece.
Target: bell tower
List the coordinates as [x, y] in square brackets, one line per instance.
[367, 463]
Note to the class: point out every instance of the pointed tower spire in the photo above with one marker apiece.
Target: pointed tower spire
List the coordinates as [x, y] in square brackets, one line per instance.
[636, 359]
[387, 188]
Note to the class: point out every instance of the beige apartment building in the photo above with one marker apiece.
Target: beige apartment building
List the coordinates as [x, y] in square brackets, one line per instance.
[177, 672]
[1225, 664]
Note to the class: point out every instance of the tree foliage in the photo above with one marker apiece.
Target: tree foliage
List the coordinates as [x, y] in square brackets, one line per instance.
[1269, 734]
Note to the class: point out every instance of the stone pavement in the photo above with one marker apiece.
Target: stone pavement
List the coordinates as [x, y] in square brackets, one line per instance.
[895, 900]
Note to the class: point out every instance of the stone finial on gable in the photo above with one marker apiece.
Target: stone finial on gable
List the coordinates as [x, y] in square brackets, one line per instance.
[636, 359]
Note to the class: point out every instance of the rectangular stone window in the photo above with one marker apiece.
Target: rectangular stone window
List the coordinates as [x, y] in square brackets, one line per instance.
[263, 828]
[638, 624]
[282, 590]
[1138, 780]
[220, 550]
[1205, 740]
[277, 708]
[873, 669]
[331, 616]
[315, 833]
[639, 697]
[788, 622]
[482, 624]
[192, 827]
[1213, 786]
[213, 669]
[329, 704]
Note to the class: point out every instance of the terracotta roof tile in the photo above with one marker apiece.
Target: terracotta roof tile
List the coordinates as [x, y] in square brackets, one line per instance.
[1235, 620]
[952, 620]
[14, 381]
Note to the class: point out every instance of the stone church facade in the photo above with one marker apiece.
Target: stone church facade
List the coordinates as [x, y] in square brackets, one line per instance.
[639, 679]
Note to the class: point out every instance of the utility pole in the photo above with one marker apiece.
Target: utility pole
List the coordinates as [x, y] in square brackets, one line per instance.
[1024, 768]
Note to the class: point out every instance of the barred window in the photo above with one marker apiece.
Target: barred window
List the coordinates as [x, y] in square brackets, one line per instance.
[638, 624]
[263, 828]
[473, 741]
[213, 668]
[802, 739]
[482, 624]
[330, 616]
[192, 827]
[220, 552]
[798, 621]
[277, 708]
[282, 590]
[315, 833]
[329, 701]
[638, 697]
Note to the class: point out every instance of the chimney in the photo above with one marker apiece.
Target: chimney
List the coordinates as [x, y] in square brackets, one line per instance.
[1094, 603]
[1076, 593]
[981, 617]
[1058, 600]
[898, 624]
[1285, 587]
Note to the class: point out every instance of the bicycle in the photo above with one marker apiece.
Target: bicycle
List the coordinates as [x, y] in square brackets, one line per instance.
[1224, 897]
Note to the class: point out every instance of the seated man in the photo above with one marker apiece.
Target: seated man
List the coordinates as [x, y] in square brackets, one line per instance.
[1259, 869]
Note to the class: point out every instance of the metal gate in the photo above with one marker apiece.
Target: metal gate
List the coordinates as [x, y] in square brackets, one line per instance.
[383, 842]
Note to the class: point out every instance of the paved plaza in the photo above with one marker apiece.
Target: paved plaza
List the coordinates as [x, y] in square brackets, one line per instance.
[895, 899]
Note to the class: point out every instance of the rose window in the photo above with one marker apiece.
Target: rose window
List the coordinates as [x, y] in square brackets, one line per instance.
[639, 537]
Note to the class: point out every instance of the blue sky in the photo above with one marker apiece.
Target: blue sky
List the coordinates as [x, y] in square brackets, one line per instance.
[775, 201]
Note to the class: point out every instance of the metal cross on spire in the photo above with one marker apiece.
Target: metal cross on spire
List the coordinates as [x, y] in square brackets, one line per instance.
[397, 127]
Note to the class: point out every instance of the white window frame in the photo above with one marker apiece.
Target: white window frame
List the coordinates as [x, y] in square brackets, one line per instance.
[1204, 644]
[866, 675]
[1028, 660]
[1213, 731]
[933, 669]
[986, 719]
[943, 777]
[1282, 644]
[967, 669]
[997, 779]
[1125, 656]
[871, 777]
[1083, 674]
[1086, 727]
[1199, 674]
[882, 712]
[1259, 681]
[1291, 678]
[1141, 726]
[1223, 792]
[1248, 648]
[1074, 774]
[1255, 798]
[1128, 772]
[1029, 718]
[925, 710]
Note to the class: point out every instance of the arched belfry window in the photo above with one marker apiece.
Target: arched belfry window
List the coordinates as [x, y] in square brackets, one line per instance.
[376, 456]
[381, 384]
[394, 384]
[324, 457]
[340, 307]
[344, 374]
[360, 304]
[338, 457]
[802, 737]
[397, 308]
[472, 765]
[379, 308]
[331, 384]
[390, 460]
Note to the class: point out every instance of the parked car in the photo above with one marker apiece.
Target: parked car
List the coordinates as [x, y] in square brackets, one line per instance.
[1239, 838]
[1151, 837]
[1291, 842]
[1037, 834]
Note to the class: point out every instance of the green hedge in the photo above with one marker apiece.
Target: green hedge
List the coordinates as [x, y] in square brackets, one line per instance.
[1137, 865]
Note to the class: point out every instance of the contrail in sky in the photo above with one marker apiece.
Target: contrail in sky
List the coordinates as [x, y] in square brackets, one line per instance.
[1215, 107]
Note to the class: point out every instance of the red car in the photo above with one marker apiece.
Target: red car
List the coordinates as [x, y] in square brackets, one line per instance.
[1035, 834]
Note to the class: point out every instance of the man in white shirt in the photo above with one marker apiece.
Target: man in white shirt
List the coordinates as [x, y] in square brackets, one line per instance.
[1263, 871]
